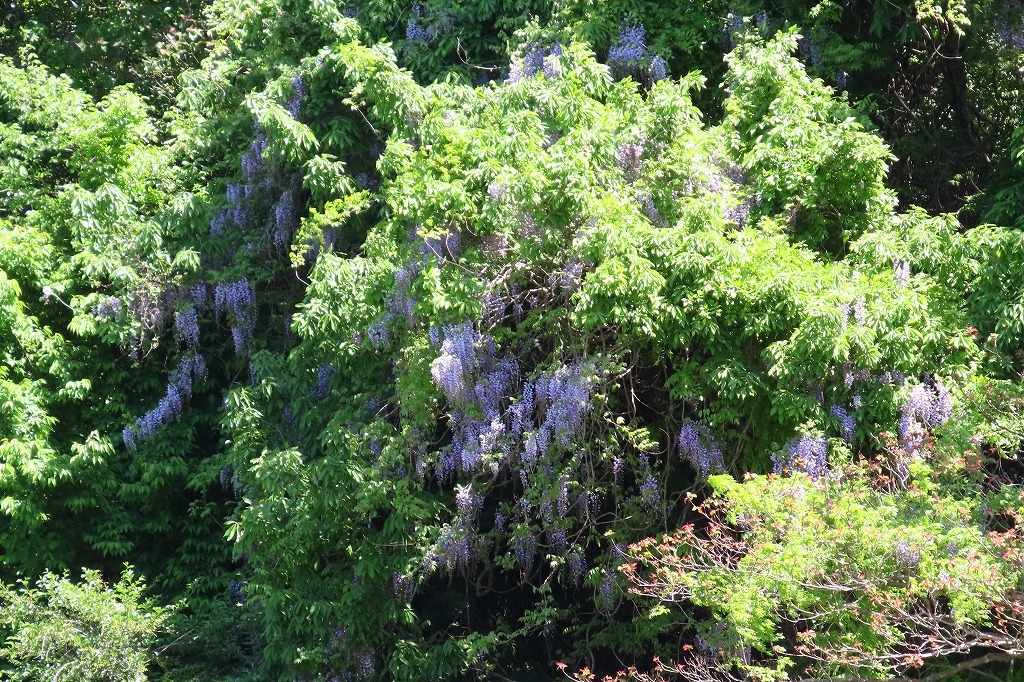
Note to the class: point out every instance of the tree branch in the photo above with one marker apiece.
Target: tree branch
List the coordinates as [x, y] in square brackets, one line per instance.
[994, 657]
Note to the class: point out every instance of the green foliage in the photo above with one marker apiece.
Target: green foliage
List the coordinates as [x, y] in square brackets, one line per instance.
[806, 152]
[85, 262]
[864, 571]
[740, 316]
[138, 41]
[314, 201]
[90, 631]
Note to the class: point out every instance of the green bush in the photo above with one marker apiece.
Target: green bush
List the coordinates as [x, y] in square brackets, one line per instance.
[62, 631]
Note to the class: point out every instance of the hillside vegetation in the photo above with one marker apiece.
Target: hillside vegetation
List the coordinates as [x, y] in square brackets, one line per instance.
[511, 340]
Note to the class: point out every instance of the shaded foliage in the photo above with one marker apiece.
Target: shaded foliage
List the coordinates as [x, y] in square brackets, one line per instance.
[432, 310]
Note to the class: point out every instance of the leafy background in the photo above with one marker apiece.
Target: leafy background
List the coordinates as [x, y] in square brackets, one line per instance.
[460, 340]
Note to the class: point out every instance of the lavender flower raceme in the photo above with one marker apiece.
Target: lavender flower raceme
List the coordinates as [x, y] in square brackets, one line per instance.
[110, 306]
[323, 382]
[537, 60]
[284, 219]
[468, 503]
[557, 540]
[522, 411]
[240, 336]
[455, 367]
[739, 213]
[295, 103]
[190, 368]
[810, 51]
[927, 406]
[447, 373]
[629, 49]
[418, 31]
[658, 69]
[906, 555]
[649, 491]
[617, 466]
[577, 566]
[606, 590]
[200, 296]
[239, 299]
[365, 665]
[525, 547]
[563, 499]
[697, 445]
[848, 423]
[901, 272]
[628, 158]
[233, 296]
[415, 33]
[806, 454]
[186, 326]
[565, 396]
[128, 436]
[1010, 32]
[453, 548]
[859, 312]
[733, 25]
[378, 334]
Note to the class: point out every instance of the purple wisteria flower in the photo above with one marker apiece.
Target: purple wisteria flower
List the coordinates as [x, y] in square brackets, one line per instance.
[577, 566]
[298, 92]
[697, 445]
[658, 69]
[524, 547]
[810, 51]
[447, 371]
[564, 395]
[847, 422]
[239, 299]
[402, 586]
[128, 436]
[649, 491]
[365, 665]
[468, 503]
[629, 56]
[322, 389]
[109, 306]
[453, 549]
[538, 59]
[607, 590]
[285, 219]
[190, 369]
[415, 33]
[200, 295]
[733, 25]
[927, 406]
[186, 326]
[233, 296]
[901, 272]
[628, 158]
[420, 30]
[906, 555]
[1010, 31]
[557, 540]
[807, 454]
[739, 213]
[446, 247]
[629, 49]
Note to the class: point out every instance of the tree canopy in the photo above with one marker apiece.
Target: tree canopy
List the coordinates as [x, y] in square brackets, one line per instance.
[511, 340]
